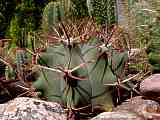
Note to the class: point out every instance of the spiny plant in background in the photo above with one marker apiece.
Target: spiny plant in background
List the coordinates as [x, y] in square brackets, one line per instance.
[15, 80]
[4, 93]
[130, 17]
[147, 23]
[73, 70]
[104, 11]
[22, 24]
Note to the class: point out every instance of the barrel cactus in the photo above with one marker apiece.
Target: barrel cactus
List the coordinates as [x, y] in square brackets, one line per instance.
[75, 73]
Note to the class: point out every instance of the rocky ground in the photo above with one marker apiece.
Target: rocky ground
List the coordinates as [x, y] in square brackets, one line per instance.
[145, 107]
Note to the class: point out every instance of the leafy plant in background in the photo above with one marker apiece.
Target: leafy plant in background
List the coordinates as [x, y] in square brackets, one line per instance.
[24, 21]
[6, 11]
[24, 18]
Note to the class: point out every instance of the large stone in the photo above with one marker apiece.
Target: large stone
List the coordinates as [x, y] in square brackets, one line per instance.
[148, 109]
[24, 108]
[134, 109]
[151, 86]
[125, 115]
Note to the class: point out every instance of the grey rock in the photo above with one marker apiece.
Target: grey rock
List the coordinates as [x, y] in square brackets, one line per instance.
[151, 86]
[148, 109]
[125, 115]
[134, 109]
[24, 108]
[137, 104]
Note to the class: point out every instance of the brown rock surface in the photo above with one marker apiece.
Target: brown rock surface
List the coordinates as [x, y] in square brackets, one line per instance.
[151, 86]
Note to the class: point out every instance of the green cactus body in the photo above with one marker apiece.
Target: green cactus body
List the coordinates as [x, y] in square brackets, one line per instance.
[102, 71]
[69, 91]
[46, 83]
[53, 14]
